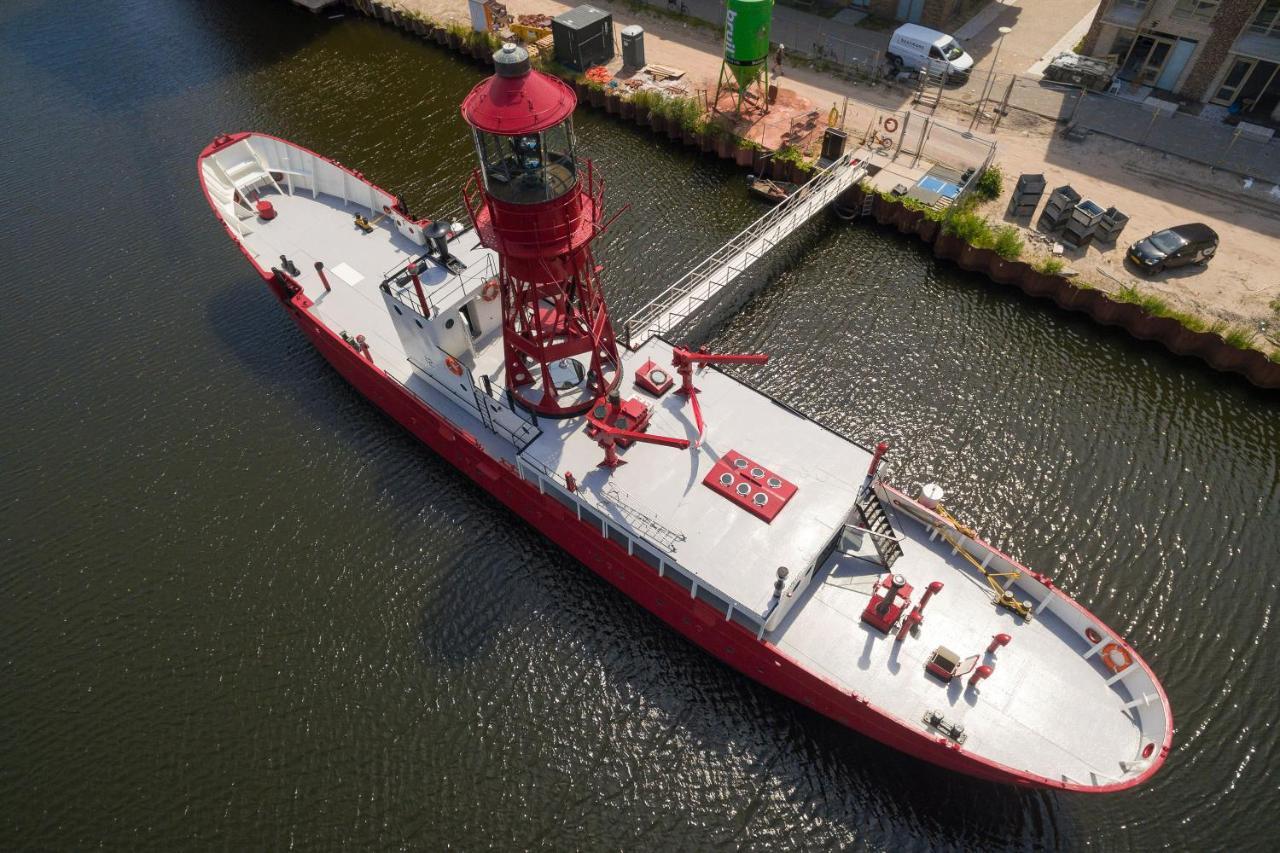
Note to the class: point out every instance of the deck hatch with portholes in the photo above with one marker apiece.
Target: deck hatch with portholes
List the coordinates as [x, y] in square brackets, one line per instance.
[750, 485]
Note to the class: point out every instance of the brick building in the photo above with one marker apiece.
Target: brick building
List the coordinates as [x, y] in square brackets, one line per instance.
[1224, 52]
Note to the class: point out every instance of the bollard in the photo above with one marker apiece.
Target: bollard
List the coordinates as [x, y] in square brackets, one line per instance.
[324, 279]
[997, 641]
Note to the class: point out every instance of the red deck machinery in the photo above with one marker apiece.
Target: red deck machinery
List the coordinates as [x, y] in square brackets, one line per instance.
[535, 205]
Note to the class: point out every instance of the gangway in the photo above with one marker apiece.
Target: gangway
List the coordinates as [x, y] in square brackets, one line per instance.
[675, 304]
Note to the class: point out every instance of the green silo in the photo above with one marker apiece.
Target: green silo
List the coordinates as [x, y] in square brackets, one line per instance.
[746, 38]
[746, 47]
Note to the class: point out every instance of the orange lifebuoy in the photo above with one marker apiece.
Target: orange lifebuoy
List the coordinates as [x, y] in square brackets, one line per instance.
[491, 290]
[890, 124]
[1116, 658]
[455, 366]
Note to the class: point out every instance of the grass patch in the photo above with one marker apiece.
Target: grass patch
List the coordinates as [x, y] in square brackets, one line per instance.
[1149, 302]
[1275, 355]
[792, 154]
[1275, 305]
[1007, 242]
[970, 227]
[1050, 266]
[645, 101]
[1191, 321]
[1240, 337]
[990, 184]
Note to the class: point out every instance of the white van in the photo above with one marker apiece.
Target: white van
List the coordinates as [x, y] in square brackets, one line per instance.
[914, 46]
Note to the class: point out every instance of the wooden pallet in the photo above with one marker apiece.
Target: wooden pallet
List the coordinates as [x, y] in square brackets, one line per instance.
[664, 72]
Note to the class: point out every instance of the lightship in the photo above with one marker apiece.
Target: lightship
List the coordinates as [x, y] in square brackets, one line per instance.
[772, 542]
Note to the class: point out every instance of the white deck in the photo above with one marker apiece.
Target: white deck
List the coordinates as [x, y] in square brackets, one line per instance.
[725, 546]
[1047, 709]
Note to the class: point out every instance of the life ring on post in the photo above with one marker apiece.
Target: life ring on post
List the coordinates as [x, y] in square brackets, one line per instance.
[890, 124]
[491, 290]
[1116, 658]
[455, 366]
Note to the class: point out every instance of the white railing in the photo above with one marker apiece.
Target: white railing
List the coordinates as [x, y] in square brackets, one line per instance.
[448, 293]
[701, 284]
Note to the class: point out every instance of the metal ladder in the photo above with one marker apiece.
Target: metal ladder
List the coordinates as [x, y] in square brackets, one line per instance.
[641, 521]
[877, 521]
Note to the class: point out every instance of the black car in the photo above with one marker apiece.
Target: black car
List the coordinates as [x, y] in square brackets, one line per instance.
[1174, 247]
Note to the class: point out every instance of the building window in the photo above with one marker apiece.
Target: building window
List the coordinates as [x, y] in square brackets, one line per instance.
[1200, 10]
[1126, 13]
[1267, 21]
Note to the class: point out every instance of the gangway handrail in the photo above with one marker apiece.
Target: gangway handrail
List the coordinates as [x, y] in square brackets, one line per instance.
[659, 315]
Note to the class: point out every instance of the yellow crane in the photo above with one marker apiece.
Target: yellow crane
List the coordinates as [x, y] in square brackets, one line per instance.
[1003, 597]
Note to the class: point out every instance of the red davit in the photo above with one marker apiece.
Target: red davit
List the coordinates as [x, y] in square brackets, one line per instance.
[539, 209]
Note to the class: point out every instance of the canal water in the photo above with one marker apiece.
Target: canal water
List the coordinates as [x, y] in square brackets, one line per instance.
[241, 609]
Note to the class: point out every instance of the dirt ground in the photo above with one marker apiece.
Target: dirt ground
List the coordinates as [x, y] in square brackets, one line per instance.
[1241, 285]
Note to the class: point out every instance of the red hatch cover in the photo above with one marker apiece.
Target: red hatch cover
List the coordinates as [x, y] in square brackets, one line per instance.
[751, 486]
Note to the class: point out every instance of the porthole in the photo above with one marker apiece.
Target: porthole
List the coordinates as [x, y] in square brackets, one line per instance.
[726, 479]
[760, 499]
[739, 463]
[757, 473]
[743, 489]
[448, 324]
[774, 483]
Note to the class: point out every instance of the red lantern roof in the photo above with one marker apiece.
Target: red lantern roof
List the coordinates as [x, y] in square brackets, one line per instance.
[518, 99]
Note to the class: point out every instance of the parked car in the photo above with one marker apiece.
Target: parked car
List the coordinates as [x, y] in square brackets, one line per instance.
[914, 46]
[1174, 247]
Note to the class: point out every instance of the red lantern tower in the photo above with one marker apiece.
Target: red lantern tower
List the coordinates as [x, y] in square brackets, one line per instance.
[539, 209]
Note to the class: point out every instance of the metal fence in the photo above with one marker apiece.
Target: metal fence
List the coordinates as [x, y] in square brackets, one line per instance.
[920, 137]
[1153, 125]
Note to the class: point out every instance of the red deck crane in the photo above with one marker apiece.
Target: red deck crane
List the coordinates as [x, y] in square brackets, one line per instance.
[683, 360]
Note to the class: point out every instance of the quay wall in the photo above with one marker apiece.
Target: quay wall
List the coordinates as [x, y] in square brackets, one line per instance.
[1211, 349]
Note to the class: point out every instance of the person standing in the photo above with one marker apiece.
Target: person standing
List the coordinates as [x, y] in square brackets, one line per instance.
[777, 59]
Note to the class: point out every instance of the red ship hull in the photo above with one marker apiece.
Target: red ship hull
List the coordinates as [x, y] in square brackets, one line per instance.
[696, 620]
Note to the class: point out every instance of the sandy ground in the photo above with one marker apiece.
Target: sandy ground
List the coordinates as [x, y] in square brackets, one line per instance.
[1155, 190]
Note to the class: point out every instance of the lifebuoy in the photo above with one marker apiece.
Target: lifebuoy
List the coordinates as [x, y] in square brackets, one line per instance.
[1116, 658]
[491, 290]
[890, 124]
[455, 366]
